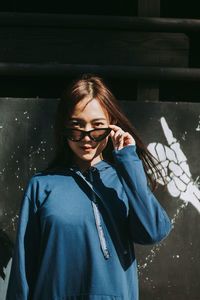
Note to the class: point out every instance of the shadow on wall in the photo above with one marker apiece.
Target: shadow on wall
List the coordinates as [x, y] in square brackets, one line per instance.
[6, 247]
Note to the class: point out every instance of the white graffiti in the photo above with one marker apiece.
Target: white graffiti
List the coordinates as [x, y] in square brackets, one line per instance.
[198, 126]
[175, 168]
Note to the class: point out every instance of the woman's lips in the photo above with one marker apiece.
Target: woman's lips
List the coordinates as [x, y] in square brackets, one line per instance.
[87, 148]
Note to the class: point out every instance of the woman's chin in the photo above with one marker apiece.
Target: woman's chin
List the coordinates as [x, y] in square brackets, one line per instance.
[89, 158]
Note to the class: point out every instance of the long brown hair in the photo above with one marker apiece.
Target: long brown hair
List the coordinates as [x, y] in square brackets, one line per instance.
[94, 87]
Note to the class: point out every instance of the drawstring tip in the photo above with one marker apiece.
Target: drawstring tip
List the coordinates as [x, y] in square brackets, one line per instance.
[107, 255]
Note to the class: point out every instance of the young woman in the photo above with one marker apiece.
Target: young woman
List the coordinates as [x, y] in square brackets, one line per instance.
[80, 218]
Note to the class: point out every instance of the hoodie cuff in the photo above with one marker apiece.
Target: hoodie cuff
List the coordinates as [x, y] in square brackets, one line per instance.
[127, 153]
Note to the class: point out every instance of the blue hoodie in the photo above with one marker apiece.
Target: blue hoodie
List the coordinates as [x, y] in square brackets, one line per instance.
[76, 235]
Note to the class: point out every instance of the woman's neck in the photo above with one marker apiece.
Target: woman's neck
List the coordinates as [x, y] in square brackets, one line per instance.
[85, 164]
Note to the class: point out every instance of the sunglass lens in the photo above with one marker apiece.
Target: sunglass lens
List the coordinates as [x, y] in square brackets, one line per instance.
[74, 135]
[99, 135]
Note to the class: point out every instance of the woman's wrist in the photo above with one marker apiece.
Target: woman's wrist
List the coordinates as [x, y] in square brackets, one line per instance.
[126, 154]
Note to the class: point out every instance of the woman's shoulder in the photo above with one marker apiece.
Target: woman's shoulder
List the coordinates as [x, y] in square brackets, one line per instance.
[47, 178]
[56, 171]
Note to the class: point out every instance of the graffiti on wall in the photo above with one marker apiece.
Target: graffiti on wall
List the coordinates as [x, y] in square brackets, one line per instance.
[175, 168]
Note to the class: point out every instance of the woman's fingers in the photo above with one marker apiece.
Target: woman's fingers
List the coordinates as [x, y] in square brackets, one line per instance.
[115, 139]
[114, 127]
[121, 142]
[120, 138]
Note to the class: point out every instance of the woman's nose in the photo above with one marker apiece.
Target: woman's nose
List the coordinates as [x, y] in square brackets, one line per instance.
[86, 138]
[87, 127]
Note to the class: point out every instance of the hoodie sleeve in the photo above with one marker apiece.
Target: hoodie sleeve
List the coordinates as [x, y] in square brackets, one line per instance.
[148, 222]
[24, 262]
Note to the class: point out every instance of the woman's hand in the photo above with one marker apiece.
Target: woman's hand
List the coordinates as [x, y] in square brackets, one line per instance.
[120, 138]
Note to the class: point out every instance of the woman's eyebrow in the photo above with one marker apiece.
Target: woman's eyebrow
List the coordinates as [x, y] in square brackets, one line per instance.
[98, 119]
[76, 119]
[93, 120]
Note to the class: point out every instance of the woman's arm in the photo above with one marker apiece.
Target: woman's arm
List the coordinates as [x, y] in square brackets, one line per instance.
[148, 222]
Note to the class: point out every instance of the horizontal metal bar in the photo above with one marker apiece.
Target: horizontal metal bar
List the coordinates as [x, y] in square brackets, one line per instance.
[100, 22]
[68, 70]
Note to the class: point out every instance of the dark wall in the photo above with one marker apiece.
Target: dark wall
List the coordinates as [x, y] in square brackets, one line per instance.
[103, 7]
[169, 270]
[17, 47]
[168, 8]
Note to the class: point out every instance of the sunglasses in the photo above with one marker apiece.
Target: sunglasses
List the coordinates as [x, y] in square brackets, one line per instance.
[97, 135]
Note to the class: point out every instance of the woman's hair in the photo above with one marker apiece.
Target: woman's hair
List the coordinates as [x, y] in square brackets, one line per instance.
[94, 87]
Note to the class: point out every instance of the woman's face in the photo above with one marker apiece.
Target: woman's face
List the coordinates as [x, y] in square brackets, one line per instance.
[87, 115]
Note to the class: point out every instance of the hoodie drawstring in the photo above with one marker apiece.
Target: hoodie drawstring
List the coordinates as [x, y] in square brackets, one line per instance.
[98, 223]
[97, 216]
